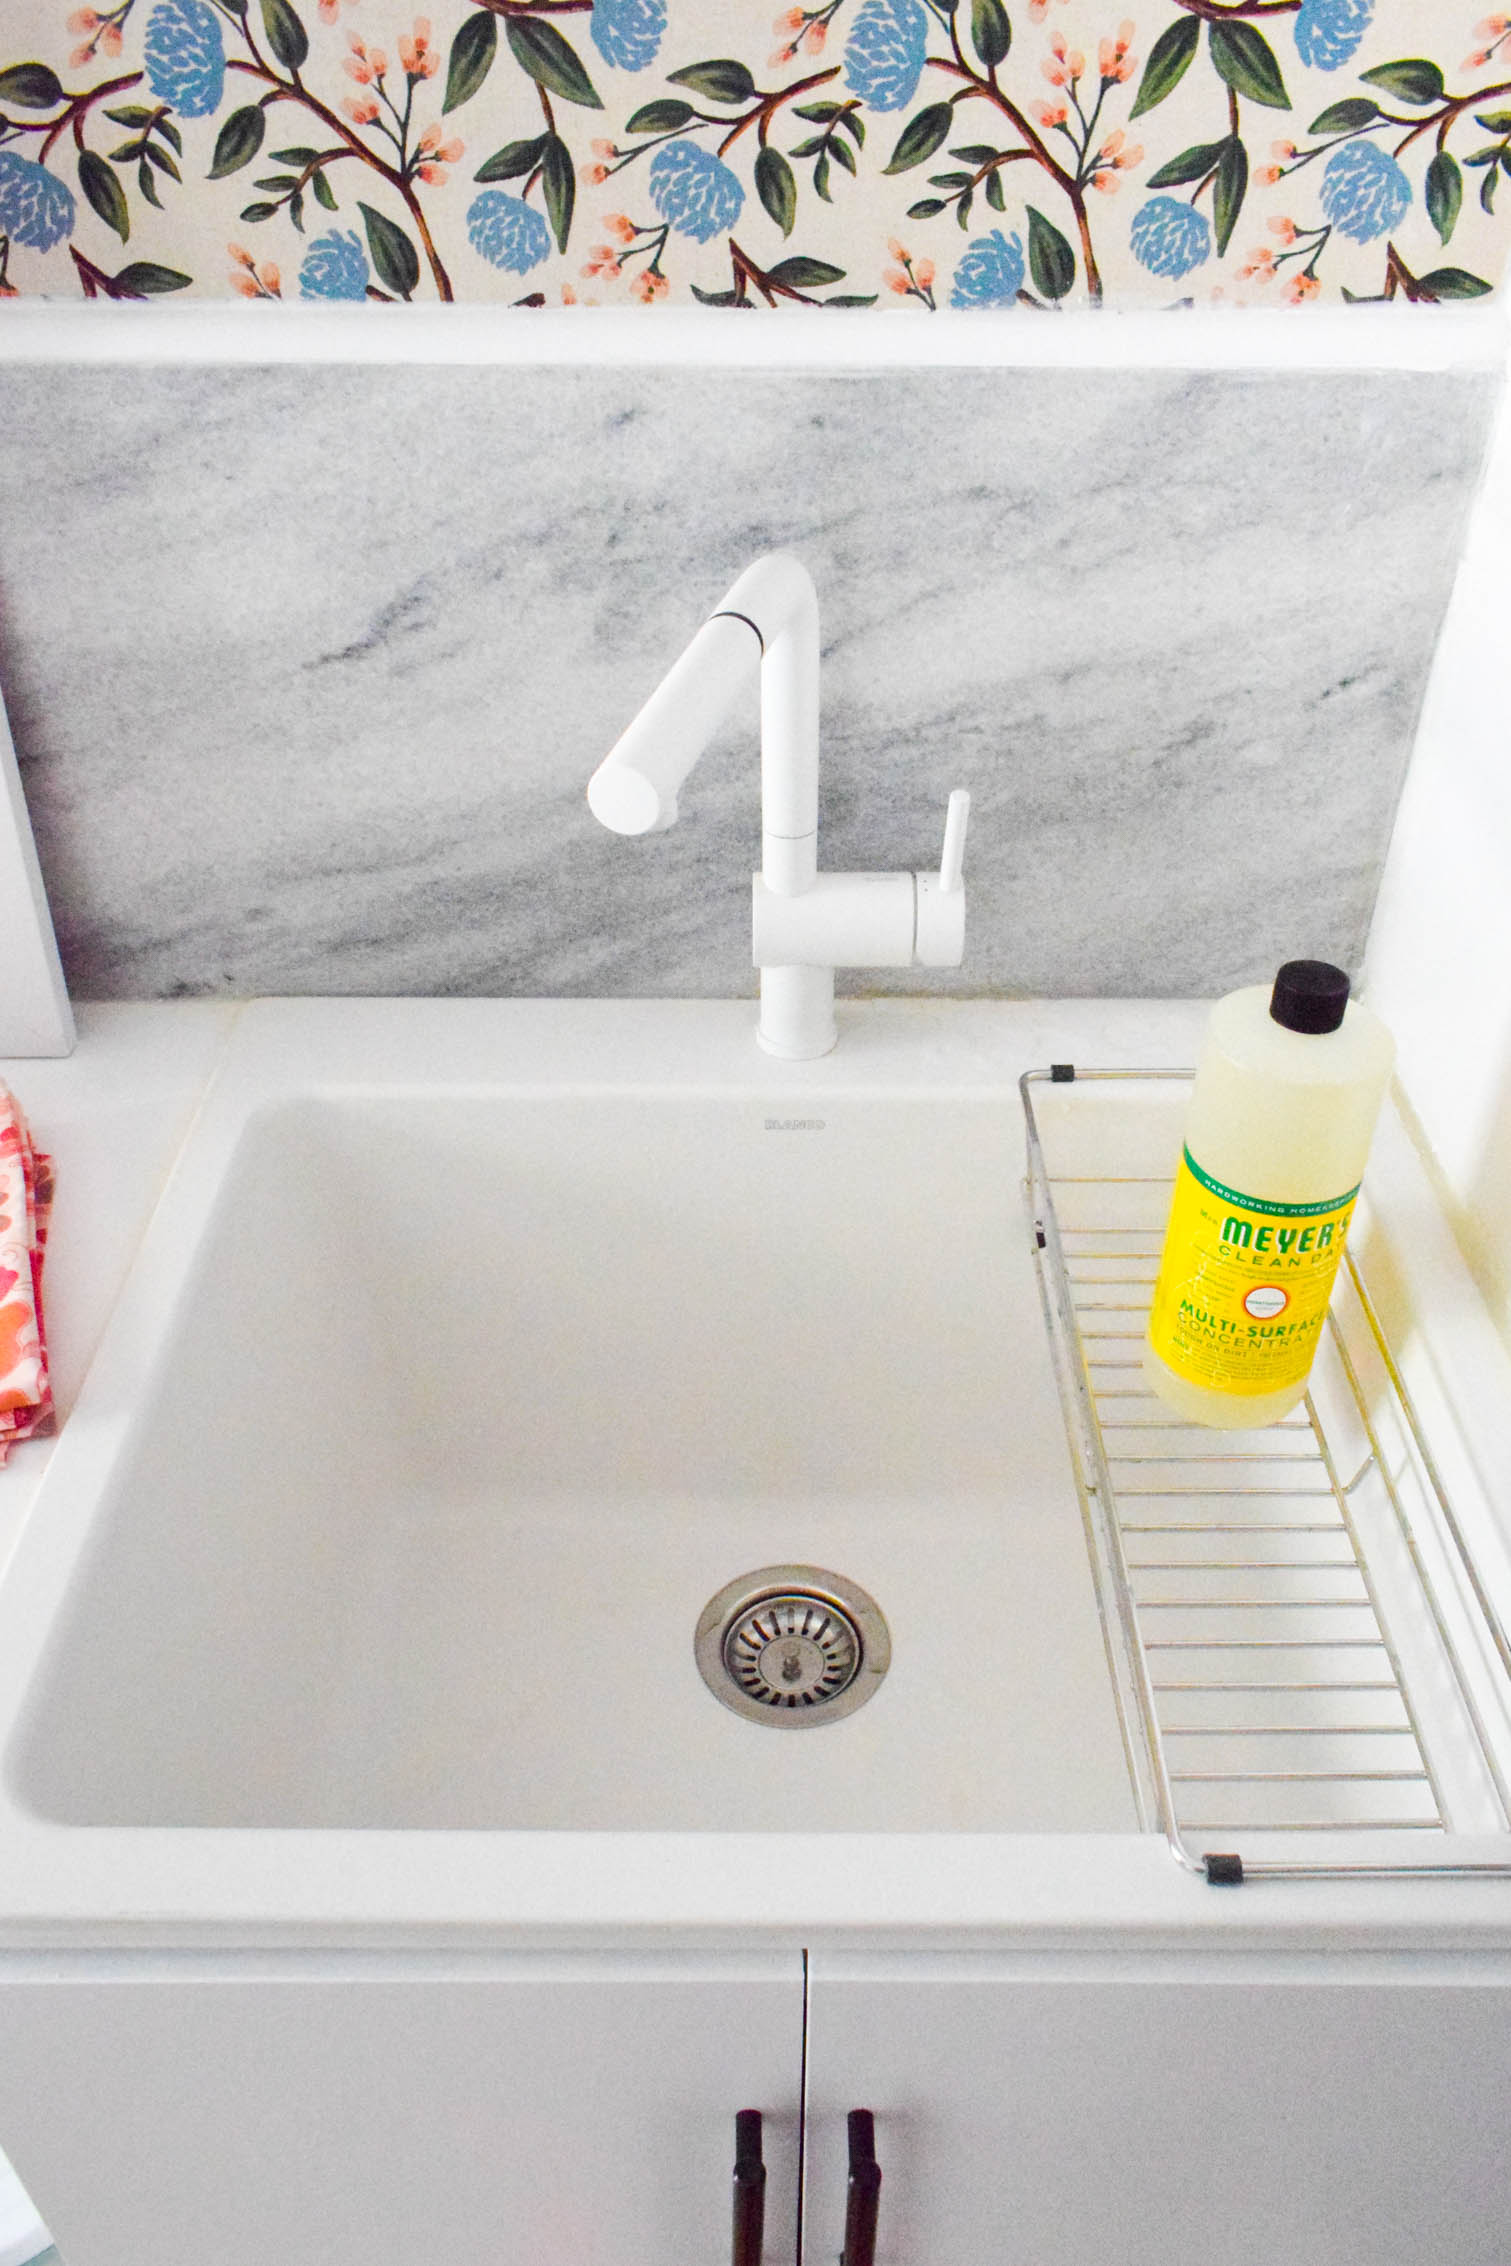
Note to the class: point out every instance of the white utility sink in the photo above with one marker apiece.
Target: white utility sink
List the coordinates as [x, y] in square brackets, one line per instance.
[473, 1349]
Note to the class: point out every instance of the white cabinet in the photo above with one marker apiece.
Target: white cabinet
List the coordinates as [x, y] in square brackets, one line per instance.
[1098, 2110]
[1263, 2111]
[372, 2112]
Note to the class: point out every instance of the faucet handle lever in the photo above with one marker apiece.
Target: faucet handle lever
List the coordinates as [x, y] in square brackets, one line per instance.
[939, 898]
[952, 858]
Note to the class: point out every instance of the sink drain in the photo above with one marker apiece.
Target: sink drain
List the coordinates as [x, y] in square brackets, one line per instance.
[792, 1645]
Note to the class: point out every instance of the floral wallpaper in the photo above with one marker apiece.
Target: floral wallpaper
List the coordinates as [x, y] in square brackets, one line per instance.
[919, 155]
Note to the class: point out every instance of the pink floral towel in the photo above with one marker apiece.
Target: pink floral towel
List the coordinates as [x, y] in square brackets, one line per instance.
[26, 1183]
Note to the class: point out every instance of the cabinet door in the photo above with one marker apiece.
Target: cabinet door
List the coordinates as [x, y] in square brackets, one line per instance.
[516, 2112]
[1274, 2112]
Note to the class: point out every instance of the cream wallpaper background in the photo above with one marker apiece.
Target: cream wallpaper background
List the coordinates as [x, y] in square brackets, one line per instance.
[915, 155]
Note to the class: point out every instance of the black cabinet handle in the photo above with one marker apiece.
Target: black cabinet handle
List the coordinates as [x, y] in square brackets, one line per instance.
[750, 2191]
[864, 2193]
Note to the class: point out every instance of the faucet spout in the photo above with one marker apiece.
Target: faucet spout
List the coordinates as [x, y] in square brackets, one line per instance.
[634, 789]
[768, 619]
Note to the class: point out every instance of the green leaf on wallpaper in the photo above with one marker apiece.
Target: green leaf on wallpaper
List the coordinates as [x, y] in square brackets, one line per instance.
[1051, 261]
[776, 187]
[514, 158]
[1169, 61]
[133, 114]
[842, 154]
[558, 179]
[723, 80]
[148, 186]
[817, 113]
[163, 161]
[1193, 164]
[926, 208]
[660, 118]
[1412, 80]
[1451, 283]
[963, 211]
[921, 137]
[1245, 58]
[32, 86]
[853, 123]
[1345, 117]
[1487, 191]
[799, 274]
[287, 36]
[1445, 194]
[991, 32]
[850, 299]
[472, 53]
[996, 195]
[104, 192]
[1229, 191]
[142, 279]
[256, 212]
[324, 194]
[393, 256]
[550, 60]
[1494, 121]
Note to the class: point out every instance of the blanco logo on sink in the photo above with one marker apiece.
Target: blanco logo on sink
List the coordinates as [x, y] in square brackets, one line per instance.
[795, 1124]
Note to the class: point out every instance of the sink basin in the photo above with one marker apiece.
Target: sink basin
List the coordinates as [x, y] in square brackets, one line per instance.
[473, 1349]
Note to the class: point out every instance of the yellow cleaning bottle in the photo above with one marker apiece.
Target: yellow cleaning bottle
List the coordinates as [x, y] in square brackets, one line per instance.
[1287, 1091]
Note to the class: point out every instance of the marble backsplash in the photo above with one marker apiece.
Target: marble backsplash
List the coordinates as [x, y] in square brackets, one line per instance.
[308, 667]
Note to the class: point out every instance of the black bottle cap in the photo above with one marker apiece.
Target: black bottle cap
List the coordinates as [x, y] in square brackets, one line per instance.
[1309, 995]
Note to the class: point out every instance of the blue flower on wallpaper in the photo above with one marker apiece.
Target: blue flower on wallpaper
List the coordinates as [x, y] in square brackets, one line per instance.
[1364, 191]
[990, 273]
[695, 191]
[507, 232]
[884, 58]
[1170, 238]
[36, 208]
[1328, 32]
[627, 33]
[334, 267]
[186, 57]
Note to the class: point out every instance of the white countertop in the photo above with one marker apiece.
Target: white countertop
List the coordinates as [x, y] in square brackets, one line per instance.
[114, 1117]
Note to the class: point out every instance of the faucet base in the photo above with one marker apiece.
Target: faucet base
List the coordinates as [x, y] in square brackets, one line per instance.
[797, 1012]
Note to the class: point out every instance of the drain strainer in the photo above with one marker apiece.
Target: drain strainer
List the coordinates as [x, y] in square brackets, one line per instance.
[792, 1645]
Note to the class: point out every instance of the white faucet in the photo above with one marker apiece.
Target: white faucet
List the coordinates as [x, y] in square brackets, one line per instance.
[805, 923]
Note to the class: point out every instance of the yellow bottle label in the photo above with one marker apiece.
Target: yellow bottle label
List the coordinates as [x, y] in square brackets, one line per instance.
[1244, 1284]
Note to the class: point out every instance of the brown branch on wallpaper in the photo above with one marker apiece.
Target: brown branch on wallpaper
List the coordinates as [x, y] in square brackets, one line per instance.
[1219, 11]
[536, 7]
[989, 91]
[293, 90]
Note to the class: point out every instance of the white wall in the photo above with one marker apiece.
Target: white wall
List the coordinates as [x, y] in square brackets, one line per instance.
[1439, 963]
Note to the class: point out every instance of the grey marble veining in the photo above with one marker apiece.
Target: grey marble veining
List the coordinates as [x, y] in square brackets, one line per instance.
[308, 668]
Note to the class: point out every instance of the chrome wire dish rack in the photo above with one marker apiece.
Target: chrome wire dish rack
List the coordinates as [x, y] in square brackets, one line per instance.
[1311, 1674]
